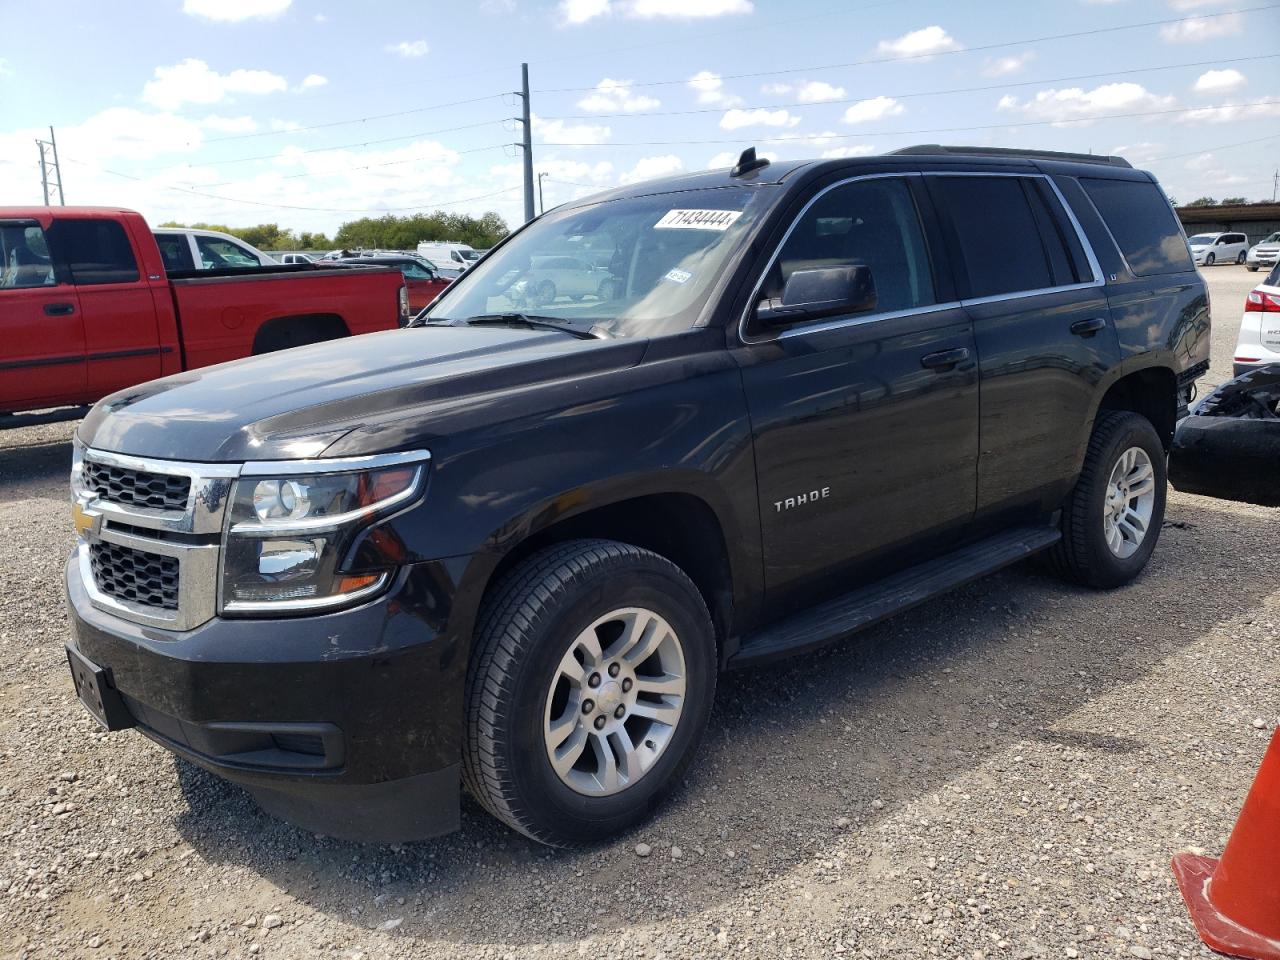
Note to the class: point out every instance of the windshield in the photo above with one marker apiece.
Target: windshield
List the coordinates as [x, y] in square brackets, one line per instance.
[469, 255]
[1200, 239]
[1274, 238]
[635, 267]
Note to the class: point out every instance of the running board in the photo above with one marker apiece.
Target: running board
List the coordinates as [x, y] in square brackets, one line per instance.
[861, 608]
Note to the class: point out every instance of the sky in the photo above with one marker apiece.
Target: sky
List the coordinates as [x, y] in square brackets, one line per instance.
[309, 113]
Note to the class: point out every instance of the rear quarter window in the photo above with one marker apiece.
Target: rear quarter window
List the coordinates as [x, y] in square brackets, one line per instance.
[1142, 223]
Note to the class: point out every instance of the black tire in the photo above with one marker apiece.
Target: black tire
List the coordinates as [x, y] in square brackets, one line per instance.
[1209, 260]
[523, 630]
[1253, 269]
[1082, 555]
[1240, 258]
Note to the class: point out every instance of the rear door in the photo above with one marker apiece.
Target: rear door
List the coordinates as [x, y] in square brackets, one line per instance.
[121, 337]
[1043, 329]
[865, 426]
[42, 360]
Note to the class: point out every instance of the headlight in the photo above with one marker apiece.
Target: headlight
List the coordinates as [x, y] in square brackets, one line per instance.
[288, 536]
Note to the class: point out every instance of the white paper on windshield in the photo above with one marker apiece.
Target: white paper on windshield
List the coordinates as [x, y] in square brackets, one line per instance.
[718, 220]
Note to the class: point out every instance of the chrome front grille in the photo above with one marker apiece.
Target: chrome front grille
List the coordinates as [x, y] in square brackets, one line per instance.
[149, 535]
[137, 488]
[135, 576]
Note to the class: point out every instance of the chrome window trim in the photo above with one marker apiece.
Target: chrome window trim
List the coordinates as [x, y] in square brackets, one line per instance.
[1098, 280]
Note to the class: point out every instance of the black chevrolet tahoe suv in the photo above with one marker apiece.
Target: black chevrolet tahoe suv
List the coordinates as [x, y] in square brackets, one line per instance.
[754, 411]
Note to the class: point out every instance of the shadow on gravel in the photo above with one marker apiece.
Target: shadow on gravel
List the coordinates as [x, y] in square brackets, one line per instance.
[892, 714]
[35, 469]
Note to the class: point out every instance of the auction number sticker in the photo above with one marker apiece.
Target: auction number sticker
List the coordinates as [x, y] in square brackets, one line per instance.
[718, 220]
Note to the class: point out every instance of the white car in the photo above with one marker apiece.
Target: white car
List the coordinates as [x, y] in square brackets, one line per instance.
[1259, 341]
[183, 249]
[1210, 248]
[296, 258]
[552, 277]
[1264, 253]
[449, 256]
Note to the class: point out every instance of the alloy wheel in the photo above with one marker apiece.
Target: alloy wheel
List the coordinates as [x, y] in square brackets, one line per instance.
[1130, 501]
[614, 702]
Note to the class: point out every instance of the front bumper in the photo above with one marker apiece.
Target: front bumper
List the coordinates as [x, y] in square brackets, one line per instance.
[1263, 258]
[345, 723]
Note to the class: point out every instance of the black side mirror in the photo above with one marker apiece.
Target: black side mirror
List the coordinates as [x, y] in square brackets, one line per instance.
[821, 292]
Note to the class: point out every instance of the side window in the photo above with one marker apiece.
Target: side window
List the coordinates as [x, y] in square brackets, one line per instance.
[24, 257]
[175, 251]
[216, 252]
[867, 222]
[95, 251]
[1143, 224]
[997, 234]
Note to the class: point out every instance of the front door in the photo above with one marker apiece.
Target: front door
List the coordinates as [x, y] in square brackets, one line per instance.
[866, 425]
[119, 314]
[42, 350]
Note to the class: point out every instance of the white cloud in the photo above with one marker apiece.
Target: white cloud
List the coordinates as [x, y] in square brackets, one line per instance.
[580, 11]
[839, 153]
[1139, 154]
[687, 9]
[1073, 103]
[710, 90]
[192, 81]
[233, 11]
[729, 159]
[320, 18]
[409, 48]
[918, 43]
[877, 108]
[229, 124]
[1201, 161]
[615, 96]
[775, 90]
[1202, 28]
[313, 80]
[1003, 66]
[1231, 111]
[817, 91]
[576, 134]
[1194, 4]
[760, 117]
[285, 125]
[649, 167]
[1219, 81]
[5, 69]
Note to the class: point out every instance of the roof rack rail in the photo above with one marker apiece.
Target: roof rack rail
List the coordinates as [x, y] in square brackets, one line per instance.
[925, 149]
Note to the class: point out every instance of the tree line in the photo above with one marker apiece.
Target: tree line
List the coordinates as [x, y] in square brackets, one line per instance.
[387, 232]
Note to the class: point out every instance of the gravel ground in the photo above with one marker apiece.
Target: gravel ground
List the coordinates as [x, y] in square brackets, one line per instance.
[1001, 773]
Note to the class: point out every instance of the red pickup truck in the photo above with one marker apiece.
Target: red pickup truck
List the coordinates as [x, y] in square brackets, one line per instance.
[86, 307]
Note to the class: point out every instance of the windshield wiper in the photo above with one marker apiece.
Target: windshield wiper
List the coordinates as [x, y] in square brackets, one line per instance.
[533, 323]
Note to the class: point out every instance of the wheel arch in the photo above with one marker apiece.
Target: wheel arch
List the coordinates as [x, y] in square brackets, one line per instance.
[681, 526]
[1151, 392]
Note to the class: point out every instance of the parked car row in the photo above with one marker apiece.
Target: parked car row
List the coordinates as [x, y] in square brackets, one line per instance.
[1208, 249]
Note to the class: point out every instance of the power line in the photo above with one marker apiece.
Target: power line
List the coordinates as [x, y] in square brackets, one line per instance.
[1221, 146]
[939, 53]
[343, 123]
[922, 93]
[810, 137]
[288, 206]
[345, 146]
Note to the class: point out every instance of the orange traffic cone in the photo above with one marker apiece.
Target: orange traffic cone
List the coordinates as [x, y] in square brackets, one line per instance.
[1235, 901]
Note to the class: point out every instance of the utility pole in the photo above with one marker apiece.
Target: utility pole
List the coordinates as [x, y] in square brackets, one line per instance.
[542, 207]
[527, 144]
[49, 162]
[1275, 181]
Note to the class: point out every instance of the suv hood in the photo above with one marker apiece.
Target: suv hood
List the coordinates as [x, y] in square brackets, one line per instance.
[293, 404]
